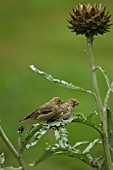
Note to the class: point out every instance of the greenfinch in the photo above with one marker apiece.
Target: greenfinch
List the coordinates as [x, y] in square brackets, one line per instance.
[46, 111]
[65, 110]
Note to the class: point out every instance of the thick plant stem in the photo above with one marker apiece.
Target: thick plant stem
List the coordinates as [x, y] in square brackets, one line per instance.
[102, 110]
[93, 75]
[12, 149]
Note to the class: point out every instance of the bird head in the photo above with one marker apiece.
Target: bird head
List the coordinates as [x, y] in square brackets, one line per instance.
[73, 102]
[57, 101]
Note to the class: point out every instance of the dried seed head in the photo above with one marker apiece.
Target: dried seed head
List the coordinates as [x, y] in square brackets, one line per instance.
[21, 129]
[90, 20]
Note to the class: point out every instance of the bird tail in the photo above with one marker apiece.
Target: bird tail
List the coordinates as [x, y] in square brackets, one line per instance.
[26, 118]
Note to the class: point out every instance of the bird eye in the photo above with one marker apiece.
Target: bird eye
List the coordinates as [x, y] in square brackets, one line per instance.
[59, 101]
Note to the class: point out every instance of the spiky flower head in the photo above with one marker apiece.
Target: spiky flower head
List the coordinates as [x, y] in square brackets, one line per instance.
[90, 20]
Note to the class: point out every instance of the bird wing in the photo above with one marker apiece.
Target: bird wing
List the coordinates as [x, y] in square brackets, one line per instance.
[45, 110]
[60, 112]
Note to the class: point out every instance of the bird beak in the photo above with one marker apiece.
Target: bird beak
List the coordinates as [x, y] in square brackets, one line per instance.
[77, 103]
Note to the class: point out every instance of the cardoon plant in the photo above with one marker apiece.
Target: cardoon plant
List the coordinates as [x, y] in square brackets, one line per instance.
[89, 21]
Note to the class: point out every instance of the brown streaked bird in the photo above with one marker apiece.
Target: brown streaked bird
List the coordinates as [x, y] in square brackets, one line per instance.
[65, 110]
[46, 111]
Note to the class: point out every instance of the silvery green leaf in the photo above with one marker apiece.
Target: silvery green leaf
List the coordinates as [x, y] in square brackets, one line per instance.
[57, 135]
[55, 124]
[60, 82]
[58, 150]
[106, 77]
[47, 153]
[110, 131]
[35, 128]
[37, 136]
[92, 114]
[2, 158]
[61, 135]
[80, 118]
[80, 143]
[12, 168]
[91, 145]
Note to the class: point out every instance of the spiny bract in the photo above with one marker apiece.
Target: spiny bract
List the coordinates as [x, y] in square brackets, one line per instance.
[90, 20]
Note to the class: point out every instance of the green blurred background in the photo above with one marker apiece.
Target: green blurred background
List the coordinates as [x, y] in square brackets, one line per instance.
[35, 32]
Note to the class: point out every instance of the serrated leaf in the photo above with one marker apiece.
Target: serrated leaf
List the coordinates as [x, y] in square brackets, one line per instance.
[36, 132]
[94, 162]
[61, 135]
[110, 131]
[77, 144]
[64, 123]
[55, 124]
[104, 166]
[80, 118]
[57, 135]
[37, 136]
[12, 168]
[91, 146]
[106, 77]
[60, 82]
[46, 154]
[63, 148]
[58, 150]
[2, 158]
[92, 114]
[107, 97]
[35, 128]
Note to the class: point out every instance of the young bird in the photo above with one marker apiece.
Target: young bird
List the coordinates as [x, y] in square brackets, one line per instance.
[65, 110]
[46, 111]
